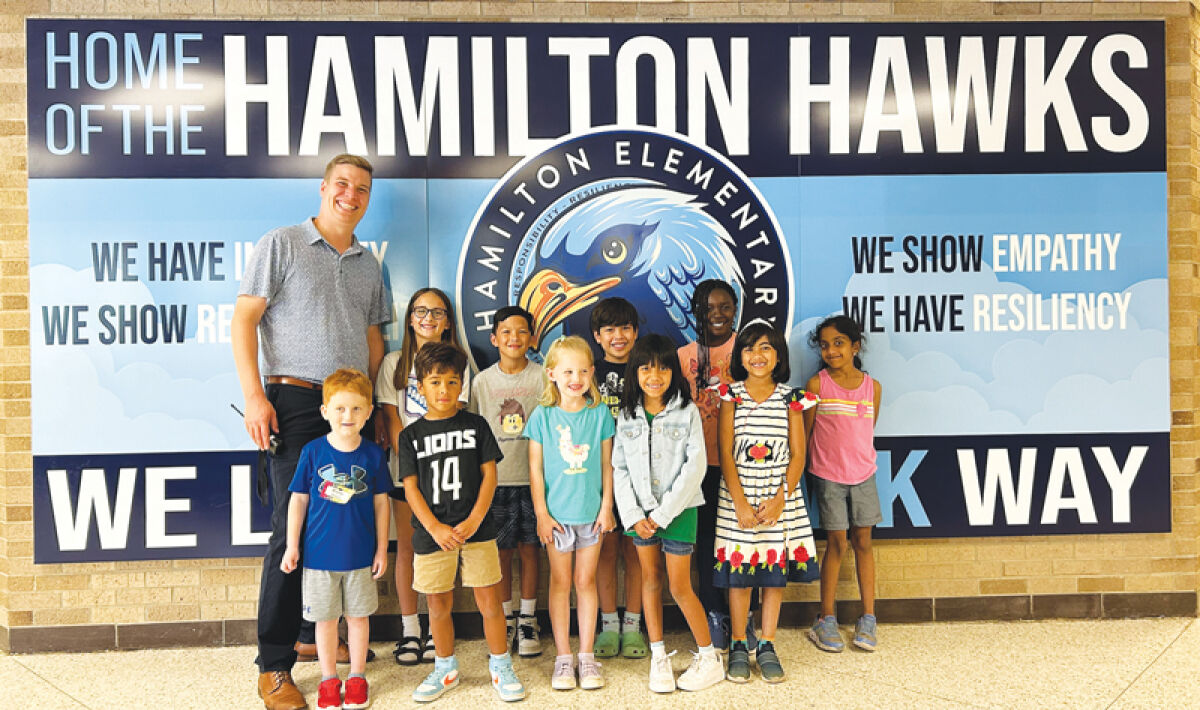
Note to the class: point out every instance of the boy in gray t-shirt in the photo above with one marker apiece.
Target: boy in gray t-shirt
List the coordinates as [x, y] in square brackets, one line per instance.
[505, 394]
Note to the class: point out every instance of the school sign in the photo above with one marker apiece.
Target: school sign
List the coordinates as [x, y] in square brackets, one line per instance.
[988, 199]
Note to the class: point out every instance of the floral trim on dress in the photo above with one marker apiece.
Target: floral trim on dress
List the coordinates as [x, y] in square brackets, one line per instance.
[765, 566]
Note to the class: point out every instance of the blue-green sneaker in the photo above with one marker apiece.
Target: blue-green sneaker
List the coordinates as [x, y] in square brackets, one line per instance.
[768, 662]
[825, 635]
[864, 632]
[504, 679]
[443, 677]
[738, 669]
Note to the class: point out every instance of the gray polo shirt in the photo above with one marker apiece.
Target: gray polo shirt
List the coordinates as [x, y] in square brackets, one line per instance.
[319, 302]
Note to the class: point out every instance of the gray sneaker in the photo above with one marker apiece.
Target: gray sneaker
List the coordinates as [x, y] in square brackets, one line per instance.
[825, 635]
[738, 669]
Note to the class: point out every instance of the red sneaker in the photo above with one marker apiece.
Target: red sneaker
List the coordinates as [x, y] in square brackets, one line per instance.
[356, 694]
[329, 695]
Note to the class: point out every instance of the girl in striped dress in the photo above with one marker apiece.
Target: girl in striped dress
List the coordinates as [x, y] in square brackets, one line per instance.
[763, 538]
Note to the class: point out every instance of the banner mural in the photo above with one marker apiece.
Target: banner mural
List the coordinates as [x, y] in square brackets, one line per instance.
[988, 200]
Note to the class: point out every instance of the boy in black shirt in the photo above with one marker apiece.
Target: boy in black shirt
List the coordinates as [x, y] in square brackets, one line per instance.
[614, 323]
[447, 461]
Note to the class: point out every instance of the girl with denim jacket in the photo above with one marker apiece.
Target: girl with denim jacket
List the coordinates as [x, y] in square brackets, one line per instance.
[659, 463]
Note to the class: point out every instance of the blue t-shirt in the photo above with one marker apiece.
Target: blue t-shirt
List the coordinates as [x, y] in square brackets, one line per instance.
[341, 485]
[571, 459]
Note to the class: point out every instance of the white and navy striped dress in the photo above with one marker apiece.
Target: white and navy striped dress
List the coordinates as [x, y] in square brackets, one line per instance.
[763, 556]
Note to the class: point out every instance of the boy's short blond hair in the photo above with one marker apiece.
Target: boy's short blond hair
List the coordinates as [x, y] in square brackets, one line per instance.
[343, 380]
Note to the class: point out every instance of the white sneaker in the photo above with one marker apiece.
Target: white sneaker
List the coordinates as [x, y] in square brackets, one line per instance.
[706, 671]
[662, 676]
[564, 673]
[528, 644]
[590, 675]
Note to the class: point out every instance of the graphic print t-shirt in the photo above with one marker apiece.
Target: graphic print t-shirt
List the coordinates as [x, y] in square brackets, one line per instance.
[445, 455]
[610, 380]
[571, 459]
[341, 485]
[506, 401]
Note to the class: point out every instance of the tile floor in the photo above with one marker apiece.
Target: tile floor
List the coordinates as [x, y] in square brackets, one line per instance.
[1140, 663]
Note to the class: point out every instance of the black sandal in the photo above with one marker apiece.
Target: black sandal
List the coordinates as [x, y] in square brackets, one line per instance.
[430, 652]
[407, 651]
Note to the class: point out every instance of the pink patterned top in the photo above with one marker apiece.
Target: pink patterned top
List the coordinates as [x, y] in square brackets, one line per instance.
[842, 448]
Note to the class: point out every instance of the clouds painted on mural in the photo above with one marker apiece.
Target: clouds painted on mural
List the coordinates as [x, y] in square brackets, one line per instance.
[996, 383]
[95, 399]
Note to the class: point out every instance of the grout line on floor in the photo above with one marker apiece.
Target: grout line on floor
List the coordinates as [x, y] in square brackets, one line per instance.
[1150, 665]
[51, 683]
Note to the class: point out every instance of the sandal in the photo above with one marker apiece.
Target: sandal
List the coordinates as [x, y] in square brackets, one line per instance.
[407, 651]
[430, 652]
[633, 644]
[608, 643]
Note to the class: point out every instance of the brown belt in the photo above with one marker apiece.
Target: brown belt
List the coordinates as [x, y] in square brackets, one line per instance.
[293, 381]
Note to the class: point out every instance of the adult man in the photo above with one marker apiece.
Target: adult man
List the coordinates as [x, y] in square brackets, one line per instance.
[316, 297]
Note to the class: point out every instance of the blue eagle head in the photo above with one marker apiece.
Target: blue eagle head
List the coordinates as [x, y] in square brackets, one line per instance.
[645, 243]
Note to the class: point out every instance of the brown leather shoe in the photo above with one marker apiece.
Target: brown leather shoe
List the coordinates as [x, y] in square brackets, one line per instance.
[307, 652]
[279, 691]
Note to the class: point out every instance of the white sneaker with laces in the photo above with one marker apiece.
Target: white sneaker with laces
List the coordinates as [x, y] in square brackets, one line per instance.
[706, 671]
[590, 675]
[662, 676]
[564, 673]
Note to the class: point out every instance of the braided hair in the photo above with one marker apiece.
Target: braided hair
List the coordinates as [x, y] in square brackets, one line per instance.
[700, 296]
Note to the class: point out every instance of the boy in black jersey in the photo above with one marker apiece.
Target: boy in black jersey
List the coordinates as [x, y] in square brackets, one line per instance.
[447, 462]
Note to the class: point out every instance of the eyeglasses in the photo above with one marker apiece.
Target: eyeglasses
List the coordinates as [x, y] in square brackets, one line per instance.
[434, 313]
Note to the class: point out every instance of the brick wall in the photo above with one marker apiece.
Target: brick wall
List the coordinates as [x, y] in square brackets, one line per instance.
[992, 578]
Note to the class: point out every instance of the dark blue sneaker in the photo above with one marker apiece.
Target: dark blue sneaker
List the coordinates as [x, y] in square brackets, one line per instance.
[768, 662]
[718, 629]
[738, 669]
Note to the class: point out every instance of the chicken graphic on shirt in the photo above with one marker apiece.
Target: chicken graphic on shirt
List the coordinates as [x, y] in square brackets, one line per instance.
[575, 455]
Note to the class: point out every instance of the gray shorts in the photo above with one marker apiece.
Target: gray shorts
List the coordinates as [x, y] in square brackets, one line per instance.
[328, 595]
[842, 506]
[576, 537]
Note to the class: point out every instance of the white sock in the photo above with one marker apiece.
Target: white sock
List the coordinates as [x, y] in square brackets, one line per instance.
[528, 607]
[632, 622]
[659, 648]
[609, 621]
[705, 650]
[411, 624]
[507, 608]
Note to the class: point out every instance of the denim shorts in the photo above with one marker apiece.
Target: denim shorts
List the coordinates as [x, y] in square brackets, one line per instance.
[671, 547]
